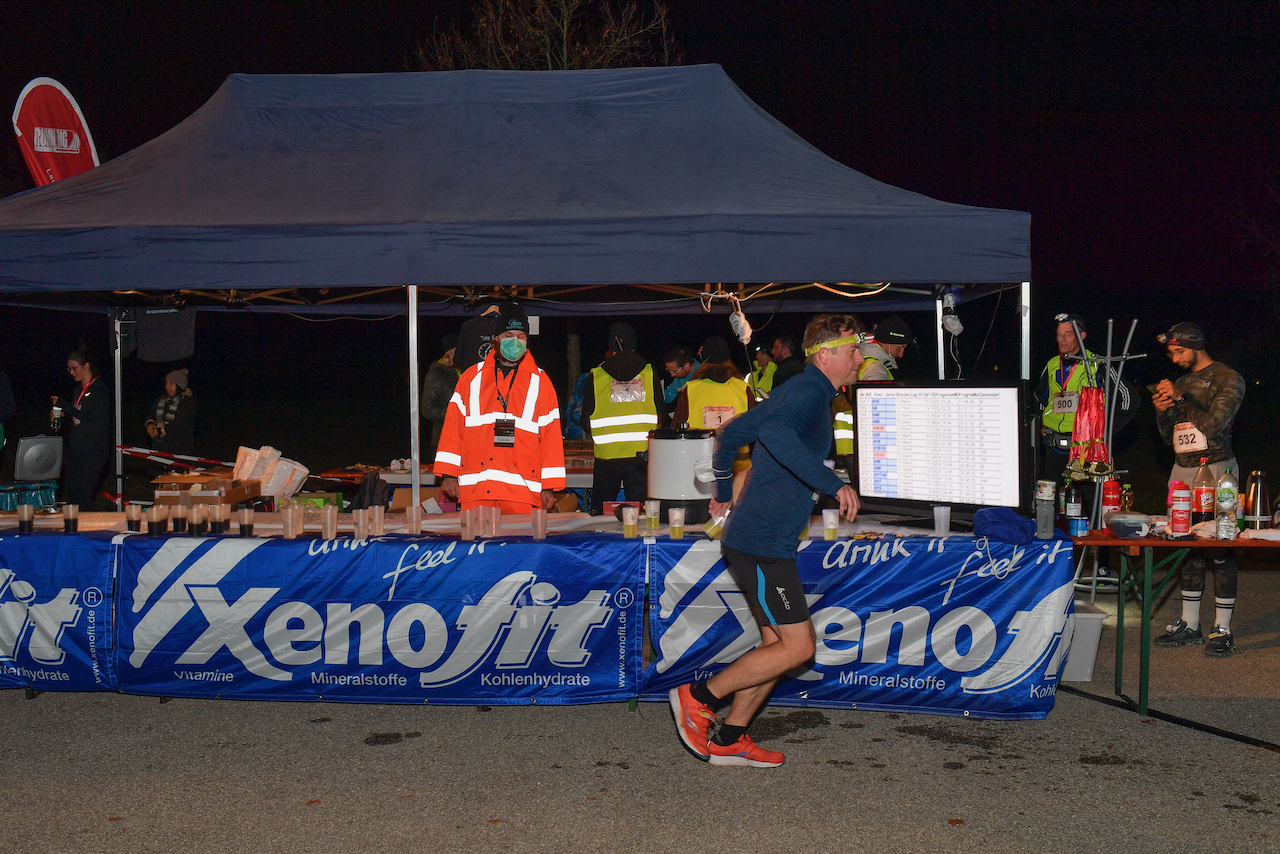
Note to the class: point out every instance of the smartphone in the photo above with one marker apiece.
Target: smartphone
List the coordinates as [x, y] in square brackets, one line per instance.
[1152, 389]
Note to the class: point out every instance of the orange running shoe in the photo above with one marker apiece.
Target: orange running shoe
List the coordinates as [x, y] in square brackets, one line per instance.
[693, 720]
[746, 752]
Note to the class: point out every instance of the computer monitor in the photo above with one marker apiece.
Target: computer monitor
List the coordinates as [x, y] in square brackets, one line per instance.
[39, 458]
[951, 444]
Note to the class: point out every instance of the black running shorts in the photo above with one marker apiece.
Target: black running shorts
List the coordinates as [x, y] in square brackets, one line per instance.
[771, 585]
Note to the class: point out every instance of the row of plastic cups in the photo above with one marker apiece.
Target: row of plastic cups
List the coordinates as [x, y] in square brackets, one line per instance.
[196, 519]
[652, 513]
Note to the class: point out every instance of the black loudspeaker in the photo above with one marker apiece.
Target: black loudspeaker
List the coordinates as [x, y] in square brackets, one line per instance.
[39, 458]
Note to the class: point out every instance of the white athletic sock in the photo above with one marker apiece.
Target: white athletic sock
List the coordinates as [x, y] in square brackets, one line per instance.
[1222, 609]
[1191, 608]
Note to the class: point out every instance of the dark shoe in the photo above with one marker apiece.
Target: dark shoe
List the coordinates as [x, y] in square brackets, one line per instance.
[1180, 635]
[1221, 643]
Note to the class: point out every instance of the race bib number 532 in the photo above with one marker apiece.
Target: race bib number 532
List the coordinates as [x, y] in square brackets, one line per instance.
[1187, 438]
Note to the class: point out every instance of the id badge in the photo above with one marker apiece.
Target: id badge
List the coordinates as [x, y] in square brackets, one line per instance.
[631, 391]
[1187, 438]
[504, 433]
[1066, 403]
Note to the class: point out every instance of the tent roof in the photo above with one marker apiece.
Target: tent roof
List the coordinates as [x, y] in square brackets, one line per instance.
[489, 178]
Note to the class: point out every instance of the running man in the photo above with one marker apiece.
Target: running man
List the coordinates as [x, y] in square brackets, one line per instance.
[792, 432]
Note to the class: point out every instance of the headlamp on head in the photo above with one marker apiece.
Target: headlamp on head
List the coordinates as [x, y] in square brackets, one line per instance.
[1186, 335]
[855, 338]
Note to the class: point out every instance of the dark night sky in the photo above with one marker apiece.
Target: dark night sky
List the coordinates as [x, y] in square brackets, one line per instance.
[1134, 133]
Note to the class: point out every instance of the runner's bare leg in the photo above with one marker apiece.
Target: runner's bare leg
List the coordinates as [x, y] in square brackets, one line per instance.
[752, 677]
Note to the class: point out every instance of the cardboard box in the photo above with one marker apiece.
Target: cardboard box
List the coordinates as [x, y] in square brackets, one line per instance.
[403, 495]
[1084, 643]
[213, 486]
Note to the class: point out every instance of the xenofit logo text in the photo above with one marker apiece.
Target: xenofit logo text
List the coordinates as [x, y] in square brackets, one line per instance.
[46, 622]
[509, 624]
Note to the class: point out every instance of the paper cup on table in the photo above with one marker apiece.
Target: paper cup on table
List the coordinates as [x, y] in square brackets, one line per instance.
[538, 520]
[652, 514]
[377, 520]
[675, 518]
[942, 520]
[831, 524]
[360, 520]
[630, 522]
[70, 518]
[329, 521]
[467, 525]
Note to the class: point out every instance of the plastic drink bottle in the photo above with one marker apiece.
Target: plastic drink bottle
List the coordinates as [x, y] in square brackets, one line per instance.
[1203, 489]
[1110, 496]
[1228, 498]
[1126, 497]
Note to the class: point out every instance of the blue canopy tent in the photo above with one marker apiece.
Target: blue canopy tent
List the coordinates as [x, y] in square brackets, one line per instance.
[661, 176]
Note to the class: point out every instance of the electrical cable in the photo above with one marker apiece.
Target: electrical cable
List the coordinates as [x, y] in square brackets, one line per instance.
[990, 325]
[1127, 703]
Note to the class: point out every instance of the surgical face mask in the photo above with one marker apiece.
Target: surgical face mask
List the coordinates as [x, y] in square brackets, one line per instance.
[512, 349]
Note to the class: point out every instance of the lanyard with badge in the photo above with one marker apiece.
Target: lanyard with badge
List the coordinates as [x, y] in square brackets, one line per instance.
[504, 428]
[1066, 402]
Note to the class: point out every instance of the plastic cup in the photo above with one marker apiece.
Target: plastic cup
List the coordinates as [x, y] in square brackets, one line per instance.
[804, 529]
[413, 519]
[467, 525]
[377, 520]
[157, 520]
[675, 518]
[178, 518]
[630, 522]
[289, 520]
[652, 514]
[133, 517]
[245, 517]
[831, 524]
[538, 520]
[329, 521]
[26, 519]
[942, 520]
[219, 518]
[70, 518]
[484, 521]
[360, 520]
[495, 522]
[199, 520]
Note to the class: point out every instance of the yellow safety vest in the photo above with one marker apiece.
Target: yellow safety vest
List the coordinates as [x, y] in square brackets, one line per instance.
[866, 364]
[763, 380]
[709, 399]
[843, 425]
[621, 421]
[1070, 379]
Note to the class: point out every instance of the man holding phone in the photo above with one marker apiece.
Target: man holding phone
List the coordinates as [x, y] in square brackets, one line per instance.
[1194, 414]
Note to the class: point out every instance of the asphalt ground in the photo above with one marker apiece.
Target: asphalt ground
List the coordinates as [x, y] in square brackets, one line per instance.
[108, 772]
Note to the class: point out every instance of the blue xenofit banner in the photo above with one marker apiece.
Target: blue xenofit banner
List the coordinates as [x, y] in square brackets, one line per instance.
[55, 612]
[397, 619]
[927, 624]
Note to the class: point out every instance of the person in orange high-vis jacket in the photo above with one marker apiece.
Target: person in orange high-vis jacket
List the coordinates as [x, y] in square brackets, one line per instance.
[501, 443]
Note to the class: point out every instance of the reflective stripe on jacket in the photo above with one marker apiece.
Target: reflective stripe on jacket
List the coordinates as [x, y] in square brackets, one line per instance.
[843, 425]
[485, 472]
[621, 430]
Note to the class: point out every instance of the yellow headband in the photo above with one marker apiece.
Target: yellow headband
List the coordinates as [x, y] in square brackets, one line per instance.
[856, 338]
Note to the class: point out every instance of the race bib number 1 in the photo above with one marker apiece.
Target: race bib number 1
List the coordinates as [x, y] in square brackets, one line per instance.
[717, 416]
[1187, 438]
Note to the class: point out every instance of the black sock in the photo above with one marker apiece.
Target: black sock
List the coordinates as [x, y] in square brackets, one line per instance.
[728, 735]
[703, 695]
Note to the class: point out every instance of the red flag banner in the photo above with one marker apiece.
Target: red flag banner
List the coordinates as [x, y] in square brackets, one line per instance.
[52, 132]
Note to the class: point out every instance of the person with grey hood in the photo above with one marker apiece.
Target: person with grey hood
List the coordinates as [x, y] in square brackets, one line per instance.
[881, 355]
[173, 429]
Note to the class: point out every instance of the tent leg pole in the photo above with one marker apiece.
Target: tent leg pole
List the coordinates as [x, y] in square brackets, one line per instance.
[115, 331]
[1024, 310]
[415, 476]
[941, 333]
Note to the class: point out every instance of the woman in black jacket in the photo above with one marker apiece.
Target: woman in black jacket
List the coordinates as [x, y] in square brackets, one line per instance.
[89, 439]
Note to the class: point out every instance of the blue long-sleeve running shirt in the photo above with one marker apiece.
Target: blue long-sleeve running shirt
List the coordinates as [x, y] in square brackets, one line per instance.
[792, 432]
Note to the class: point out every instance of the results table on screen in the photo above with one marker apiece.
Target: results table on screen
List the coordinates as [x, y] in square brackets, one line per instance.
[943, 445]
